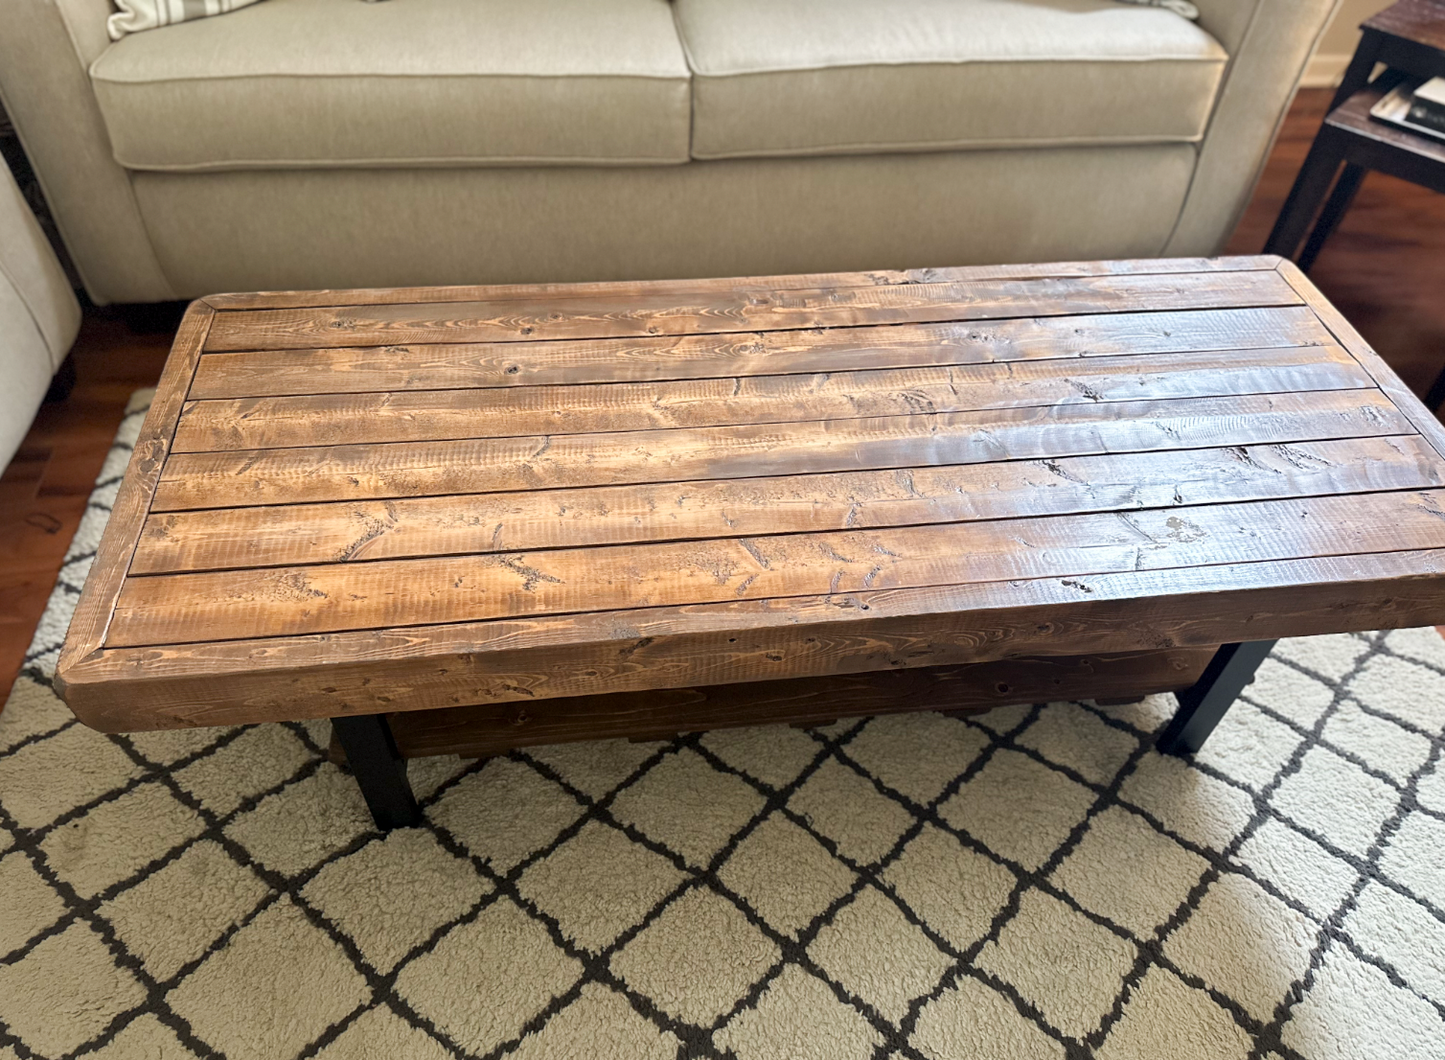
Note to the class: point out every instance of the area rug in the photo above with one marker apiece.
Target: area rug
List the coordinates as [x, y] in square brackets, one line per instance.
[1032, 882]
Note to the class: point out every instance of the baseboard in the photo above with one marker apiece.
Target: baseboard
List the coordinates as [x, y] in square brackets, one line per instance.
[1325, 70]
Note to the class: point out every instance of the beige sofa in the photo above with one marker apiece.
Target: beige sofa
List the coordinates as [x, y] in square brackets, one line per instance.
[323, 143]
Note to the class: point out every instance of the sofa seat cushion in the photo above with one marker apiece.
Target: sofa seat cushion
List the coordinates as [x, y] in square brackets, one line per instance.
[822, 77]
[422, 82]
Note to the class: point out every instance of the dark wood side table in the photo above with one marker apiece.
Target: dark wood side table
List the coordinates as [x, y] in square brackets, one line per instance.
[1409, 39]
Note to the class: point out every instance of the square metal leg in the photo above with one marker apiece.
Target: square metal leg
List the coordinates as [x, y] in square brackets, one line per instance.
[379, 768]
[1202, 705]
[1308, 193]
[1336, 206]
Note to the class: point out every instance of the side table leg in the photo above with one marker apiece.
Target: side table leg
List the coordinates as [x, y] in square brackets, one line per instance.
[1336, 206]
[1306, 196]
[1357, 74]
[1436, 397]
[1202, 705]
[379, 768]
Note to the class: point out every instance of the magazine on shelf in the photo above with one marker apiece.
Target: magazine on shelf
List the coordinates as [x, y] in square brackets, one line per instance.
[1416, 106]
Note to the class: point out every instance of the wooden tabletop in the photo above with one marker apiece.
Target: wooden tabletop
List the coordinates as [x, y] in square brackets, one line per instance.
[1421, 21]
[365, 501]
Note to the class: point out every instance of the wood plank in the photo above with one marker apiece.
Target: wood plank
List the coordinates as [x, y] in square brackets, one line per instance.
[286, 601]
[463, 365]
[585, 315]
[531, 659]
[291, 535]
[438, 415]
[493, 292]
[503, 412]
[286, 476]
[494, 728]
[95, 609]
[1404, 399]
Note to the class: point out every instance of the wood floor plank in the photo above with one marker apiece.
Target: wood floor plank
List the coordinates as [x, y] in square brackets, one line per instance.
[230, 605]
[291, 535]
[499, 412]
[603, 315]
[412, 469]
[440, 366]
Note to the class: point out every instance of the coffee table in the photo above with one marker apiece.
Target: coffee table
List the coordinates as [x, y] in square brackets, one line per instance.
[474, 518]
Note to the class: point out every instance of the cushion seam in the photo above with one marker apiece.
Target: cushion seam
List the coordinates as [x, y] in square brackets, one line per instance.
[1094, 60]
[459, 162]
[682, 79]
[925, 146]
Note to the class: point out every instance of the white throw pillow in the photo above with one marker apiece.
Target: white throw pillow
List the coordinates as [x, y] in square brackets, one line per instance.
[136, 15]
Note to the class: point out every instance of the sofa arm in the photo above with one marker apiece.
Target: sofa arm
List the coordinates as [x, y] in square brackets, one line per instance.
[39, 315]
[46, 47]
[1269, 44]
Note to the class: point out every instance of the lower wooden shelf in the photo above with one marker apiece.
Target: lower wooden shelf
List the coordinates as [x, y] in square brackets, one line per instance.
[488, 729]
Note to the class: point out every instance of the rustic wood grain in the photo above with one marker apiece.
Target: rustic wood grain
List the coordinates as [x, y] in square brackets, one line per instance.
[1389, 383]
[587, 315]
[286, 601]
[524, 494]
[366, 672]
[412, 469]
[342, 532]
[394, 369]
[626, 288]
[94, 610]
[435, 415]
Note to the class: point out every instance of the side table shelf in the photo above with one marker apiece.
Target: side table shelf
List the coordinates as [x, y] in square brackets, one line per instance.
[1408, 38]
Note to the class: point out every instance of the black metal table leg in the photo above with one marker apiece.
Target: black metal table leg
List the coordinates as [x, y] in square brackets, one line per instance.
[1436, 397]
[1307, 195]
[379, 768]
[1202, 705]
[1335, 208]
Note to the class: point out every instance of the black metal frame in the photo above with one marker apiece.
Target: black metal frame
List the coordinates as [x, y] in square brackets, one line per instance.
[379, 769]
[1204, 704]
[372, 754]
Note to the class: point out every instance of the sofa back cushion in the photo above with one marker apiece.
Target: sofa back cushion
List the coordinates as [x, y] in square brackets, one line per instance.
[316, 83]
[819, 77]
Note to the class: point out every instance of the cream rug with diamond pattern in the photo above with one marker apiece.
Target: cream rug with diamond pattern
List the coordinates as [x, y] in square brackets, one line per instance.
[1034, 882]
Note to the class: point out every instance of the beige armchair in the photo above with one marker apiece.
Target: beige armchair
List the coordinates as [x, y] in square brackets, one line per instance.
[39, 316]
[334, 143]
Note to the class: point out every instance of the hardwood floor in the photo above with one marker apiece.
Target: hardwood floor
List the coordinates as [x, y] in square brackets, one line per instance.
[44, 490]
[1384, 268]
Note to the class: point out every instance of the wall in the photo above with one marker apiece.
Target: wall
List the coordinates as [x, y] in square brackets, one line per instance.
[1339, 42]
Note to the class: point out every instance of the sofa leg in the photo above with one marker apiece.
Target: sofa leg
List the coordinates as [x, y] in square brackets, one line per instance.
[379, 769]
[63, 382]
[1204, 704]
